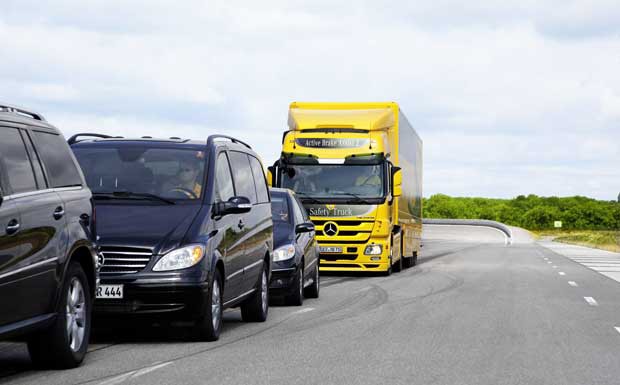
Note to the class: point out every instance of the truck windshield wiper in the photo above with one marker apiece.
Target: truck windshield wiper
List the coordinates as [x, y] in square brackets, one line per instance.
[356, 198]
[305, 196]
[131, 195]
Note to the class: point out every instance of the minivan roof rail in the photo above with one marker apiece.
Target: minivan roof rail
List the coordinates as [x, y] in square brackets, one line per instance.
[212, 138]
[21, 111]
[74, 138]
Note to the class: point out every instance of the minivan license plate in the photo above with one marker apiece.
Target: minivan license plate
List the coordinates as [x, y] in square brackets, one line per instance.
[330, 249]
[110, 291]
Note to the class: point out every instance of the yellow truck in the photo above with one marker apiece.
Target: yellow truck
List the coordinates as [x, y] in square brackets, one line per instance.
[357, 168]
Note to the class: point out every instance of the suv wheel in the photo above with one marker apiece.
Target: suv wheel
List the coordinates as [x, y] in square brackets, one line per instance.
[256, 308]
[312, 291]
[296, 298]
[64, 344]
[209, 326]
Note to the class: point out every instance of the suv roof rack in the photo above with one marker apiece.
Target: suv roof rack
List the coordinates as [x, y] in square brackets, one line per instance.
[212, 138]
[74, 138]
[21, 111]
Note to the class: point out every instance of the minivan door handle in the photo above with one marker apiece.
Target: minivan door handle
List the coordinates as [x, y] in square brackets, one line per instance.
[59, 213]
[241, 225]
[12, 227]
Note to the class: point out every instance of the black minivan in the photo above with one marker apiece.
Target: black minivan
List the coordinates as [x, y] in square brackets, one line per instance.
[48, 261]
[185, 228]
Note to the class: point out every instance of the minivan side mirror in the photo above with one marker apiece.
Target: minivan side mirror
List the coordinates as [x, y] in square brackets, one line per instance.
[304, 228]
[235, 205]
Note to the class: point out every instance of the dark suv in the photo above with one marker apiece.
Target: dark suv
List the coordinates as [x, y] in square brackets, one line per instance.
[47, 255]
[185, 228]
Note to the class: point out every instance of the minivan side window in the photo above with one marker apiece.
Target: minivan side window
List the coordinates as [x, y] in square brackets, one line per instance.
[223, 179]
[57, 160]
[16, 162]
[259, 180]
[242, 174]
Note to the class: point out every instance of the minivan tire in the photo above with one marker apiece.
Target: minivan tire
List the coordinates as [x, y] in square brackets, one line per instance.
[312, 291]
[209, 325]
[255, 309]
[51, 348]
[296, 297]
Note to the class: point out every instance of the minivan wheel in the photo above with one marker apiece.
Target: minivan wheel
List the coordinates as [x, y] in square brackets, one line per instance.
[296, 297]
[312, 291]
[209, 326]
[64, 344]
[255, 309]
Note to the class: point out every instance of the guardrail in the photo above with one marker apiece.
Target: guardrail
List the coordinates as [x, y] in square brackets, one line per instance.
[473, 222]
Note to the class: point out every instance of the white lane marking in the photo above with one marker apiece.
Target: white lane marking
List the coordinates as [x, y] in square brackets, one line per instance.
[305, 310]
[555, 267]
[549, 262]
[134, 374]
[546, 259]
[617, 329]
[562, 273]
[572, 283]
[591, 301]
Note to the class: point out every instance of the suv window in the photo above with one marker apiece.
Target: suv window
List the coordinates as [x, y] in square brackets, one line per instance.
[259, 180]
[16, 162]
[56, 156]
[223, 179]
[242, 173]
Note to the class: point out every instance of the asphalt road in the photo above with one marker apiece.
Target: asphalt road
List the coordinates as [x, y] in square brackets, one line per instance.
[474, 311]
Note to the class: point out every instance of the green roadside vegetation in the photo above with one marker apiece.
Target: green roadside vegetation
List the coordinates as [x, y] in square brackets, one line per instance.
[585, 221]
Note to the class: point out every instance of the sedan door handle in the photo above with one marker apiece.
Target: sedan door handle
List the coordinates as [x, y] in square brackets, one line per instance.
[12, 227]
[241, 225]
[59, 213]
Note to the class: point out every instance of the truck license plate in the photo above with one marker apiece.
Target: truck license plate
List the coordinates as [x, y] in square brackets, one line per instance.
[330, 249]
[110, 291]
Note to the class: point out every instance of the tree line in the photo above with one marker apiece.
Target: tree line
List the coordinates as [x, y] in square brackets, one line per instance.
[530, 212]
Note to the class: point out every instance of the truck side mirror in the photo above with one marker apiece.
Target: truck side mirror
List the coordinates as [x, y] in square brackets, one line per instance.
[270, 176]
[397, 180]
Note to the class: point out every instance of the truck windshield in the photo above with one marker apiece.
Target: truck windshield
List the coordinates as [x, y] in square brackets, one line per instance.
[176, 174]
[321, 181]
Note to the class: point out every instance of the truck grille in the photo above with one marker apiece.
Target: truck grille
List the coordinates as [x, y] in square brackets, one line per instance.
[349, 231]
[124, 260]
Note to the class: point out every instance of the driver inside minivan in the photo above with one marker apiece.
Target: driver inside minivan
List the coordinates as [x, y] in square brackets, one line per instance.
[187, 182]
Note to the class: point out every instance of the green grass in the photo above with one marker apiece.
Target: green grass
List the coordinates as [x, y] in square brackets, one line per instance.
[606, 240]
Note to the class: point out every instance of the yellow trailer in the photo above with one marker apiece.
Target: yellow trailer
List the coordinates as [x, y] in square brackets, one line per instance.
[357, 167]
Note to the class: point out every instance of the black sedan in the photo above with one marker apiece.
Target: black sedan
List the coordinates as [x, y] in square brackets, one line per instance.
[295, 271]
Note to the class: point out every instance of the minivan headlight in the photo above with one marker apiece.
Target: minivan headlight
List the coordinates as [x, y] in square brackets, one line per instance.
[284, 253]
[181, 258]
[373, 250]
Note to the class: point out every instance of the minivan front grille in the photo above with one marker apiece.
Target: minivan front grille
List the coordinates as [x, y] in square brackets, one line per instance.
[124, 260]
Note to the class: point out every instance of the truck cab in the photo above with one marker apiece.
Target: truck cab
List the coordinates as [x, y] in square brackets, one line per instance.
[342, 160]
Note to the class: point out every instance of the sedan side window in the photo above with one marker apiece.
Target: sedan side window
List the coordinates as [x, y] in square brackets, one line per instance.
[17, 165]
[223, 179]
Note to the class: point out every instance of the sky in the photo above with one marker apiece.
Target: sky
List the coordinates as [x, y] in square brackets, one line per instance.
[510, 97]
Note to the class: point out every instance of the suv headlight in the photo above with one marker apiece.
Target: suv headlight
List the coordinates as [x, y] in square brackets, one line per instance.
[373, 250]
[181, 258]
[284, 253]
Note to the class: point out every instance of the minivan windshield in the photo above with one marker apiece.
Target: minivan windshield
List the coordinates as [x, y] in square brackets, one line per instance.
[170, 173]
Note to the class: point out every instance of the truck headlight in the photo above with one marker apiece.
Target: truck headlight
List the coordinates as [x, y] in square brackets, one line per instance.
[373, 250]
[181, 258]
[284, 253]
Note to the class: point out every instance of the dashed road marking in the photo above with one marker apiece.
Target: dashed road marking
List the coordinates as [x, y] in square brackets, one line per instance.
[591, 301]
[555, 267]
[304, 310]
[572, 283]
[617, 329]
[134, 374]
[562, 273]
[549, 262]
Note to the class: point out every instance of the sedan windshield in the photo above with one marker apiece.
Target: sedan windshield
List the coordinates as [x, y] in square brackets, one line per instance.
[176, 174]
[357, 181]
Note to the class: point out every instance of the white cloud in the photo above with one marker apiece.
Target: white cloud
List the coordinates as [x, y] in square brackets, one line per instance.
[488, 85]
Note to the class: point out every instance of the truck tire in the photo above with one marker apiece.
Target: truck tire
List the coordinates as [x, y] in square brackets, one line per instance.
[388, 272]
[209, 325]
[63, 345]
[296, 296]
[255, 309]
[312, 291]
